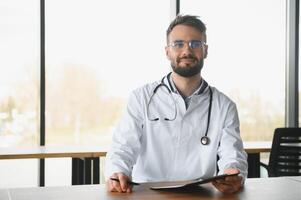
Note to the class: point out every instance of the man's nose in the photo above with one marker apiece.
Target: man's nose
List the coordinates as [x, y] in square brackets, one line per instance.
[186, 50]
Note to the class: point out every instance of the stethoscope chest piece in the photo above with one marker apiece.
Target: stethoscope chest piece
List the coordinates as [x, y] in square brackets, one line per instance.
[205, 140]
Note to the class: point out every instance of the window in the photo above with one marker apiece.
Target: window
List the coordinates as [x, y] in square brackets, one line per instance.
[246, 59]
[96, 54]
[19, 87]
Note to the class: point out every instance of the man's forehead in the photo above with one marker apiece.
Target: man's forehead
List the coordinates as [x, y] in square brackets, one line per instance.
[185, 31]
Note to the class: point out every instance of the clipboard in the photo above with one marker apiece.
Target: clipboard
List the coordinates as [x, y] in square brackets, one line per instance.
[196, 182]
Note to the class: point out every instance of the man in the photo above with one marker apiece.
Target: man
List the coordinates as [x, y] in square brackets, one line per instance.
[179, 128]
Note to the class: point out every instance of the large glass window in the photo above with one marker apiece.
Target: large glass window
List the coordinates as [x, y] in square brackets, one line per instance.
[246, 58]
[96, 53]
[19, 87]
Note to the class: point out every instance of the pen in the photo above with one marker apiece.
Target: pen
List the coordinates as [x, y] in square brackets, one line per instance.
[128, 182]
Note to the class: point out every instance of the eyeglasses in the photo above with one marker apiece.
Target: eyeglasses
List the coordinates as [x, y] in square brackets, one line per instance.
[193, 44]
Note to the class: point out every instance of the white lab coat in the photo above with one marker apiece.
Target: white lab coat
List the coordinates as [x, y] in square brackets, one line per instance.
[171, 150]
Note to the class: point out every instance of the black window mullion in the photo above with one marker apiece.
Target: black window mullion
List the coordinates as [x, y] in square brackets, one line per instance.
[177, 7]
[42, 91]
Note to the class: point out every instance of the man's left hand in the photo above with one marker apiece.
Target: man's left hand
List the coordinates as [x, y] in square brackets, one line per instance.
[230, 184]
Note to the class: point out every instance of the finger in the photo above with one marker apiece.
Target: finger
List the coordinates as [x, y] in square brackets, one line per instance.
[116, 186]
[218, 186]
[129, 189]
[233, 179]
[227, 189]
[110, 186]
[123, 179]
[231, 171]
[236, 183]
[223, 181]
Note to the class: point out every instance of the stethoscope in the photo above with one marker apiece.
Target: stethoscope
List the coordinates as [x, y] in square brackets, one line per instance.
[205, 139]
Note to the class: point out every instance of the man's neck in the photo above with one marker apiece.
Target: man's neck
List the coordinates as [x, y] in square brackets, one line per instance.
[186, 86]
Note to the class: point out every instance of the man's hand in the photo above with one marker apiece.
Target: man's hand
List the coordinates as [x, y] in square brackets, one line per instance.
[121, 186]
[230, 184]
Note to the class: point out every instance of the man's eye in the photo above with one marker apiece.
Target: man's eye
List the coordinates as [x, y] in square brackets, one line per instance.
[178, 44]
[195, 45]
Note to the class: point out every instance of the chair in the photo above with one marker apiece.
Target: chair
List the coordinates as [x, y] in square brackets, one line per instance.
[285, 156]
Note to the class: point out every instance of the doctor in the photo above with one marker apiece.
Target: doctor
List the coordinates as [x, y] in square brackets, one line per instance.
[179, 127]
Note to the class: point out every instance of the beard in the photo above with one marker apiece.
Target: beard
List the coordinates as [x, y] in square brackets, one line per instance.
[187, 71]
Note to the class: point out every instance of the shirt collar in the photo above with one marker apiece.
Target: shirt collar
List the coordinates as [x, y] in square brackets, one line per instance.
[198, 91]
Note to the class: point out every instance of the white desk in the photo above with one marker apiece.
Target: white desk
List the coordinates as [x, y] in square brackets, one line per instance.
[255, 189]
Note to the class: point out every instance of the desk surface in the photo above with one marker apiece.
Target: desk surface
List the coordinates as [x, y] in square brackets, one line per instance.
[255, 189]
[258, 146]
[296, 178]
[52, 152]
[90, 151]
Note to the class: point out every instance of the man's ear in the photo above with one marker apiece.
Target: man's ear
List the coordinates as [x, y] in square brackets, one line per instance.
[205, 50]
[167, 52]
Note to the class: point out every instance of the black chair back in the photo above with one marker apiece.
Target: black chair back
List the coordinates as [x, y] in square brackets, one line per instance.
[285, 157]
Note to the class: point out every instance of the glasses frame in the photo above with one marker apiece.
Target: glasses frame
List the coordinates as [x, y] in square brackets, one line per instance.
[190, 43]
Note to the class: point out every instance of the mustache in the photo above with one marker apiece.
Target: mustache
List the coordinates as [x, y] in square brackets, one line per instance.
[186, 57]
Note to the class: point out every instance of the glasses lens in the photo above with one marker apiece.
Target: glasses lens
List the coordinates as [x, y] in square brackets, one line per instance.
[195, 44]
[178, 44]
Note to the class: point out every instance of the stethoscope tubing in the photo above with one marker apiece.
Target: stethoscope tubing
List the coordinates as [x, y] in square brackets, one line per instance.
[204, 139]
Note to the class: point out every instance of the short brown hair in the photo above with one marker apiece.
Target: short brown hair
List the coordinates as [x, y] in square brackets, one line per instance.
[189, 20]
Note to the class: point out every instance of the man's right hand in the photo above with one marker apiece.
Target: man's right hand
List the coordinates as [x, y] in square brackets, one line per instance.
[121, 186]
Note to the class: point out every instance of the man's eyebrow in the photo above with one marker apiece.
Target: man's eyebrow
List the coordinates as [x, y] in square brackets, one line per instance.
[178, 41]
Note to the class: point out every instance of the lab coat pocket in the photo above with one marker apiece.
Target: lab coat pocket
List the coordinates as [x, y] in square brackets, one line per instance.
[161, 131]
